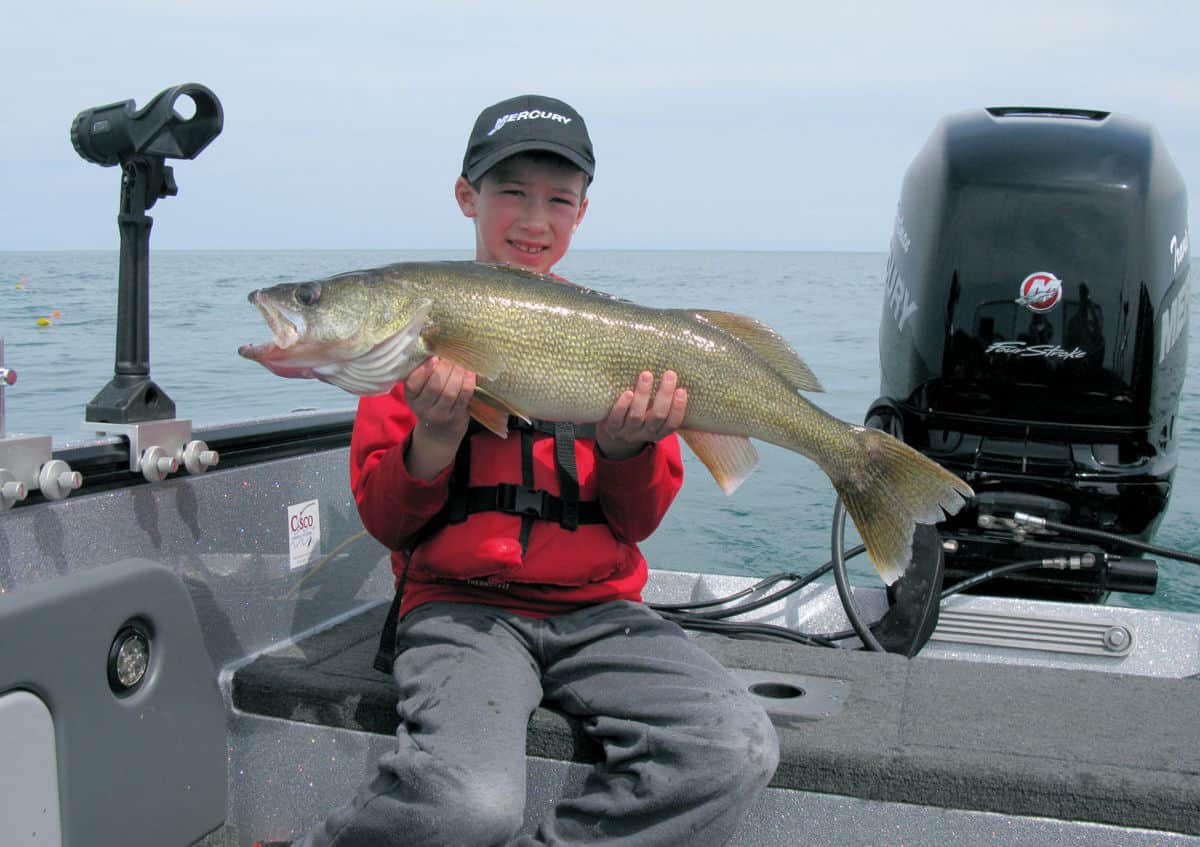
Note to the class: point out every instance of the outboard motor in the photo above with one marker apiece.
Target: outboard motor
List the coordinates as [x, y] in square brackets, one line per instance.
[1034, 335]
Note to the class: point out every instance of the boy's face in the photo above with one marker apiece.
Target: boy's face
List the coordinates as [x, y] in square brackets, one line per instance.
[525, 211]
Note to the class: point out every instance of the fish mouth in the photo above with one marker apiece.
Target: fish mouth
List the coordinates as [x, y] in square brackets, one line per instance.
[287, 328]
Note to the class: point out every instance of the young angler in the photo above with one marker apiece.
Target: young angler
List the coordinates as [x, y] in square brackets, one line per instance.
[520, 578]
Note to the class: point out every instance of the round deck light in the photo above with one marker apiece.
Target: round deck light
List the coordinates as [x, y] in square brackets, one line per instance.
[128, 660]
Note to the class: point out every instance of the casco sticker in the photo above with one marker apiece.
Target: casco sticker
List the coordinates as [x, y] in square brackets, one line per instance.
[304, 533]
[1040, 291]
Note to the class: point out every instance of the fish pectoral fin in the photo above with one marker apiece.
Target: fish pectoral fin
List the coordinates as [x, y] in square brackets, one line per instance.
[767, 343]
[461, 352]
[729, 458]
[492, 412]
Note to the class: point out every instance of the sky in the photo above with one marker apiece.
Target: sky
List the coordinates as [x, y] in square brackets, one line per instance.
[736, 125]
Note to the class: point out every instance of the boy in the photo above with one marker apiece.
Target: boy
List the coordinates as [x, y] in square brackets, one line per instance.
[504, 607]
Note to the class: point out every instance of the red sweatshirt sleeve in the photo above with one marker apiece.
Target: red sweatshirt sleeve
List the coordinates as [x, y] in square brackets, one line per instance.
[635, 493]
[392, 504]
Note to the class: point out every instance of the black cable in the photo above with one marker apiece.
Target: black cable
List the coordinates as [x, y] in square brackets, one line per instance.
[683, 614]
[720, 601]
[688, 620]
[766, 599]
[1101, 535]
[704, 604]
[798, 582]
[734, 628]
[843, 582]
[994, 573]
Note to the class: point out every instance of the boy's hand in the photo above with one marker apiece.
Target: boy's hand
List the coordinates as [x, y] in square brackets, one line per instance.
[437, 392]
[637, 418]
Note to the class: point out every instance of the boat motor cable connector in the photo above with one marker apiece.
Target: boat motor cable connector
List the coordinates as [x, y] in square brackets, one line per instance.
[1030, 520]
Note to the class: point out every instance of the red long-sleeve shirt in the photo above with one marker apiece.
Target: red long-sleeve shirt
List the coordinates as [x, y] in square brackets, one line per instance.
[479, 560]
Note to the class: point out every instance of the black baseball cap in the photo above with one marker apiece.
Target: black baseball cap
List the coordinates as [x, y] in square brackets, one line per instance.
[528, 122]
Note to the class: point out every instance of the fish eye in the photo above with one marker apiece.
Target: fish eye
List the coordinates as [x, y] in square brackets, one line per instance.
[308, 294]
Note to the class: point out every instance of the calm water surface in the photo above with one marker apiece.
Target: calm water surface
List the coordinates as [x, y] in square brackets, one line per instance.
[827, 304]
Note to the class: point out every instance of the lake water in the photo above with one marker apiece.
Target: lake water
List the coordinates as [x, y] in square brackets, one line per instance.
[827, 304]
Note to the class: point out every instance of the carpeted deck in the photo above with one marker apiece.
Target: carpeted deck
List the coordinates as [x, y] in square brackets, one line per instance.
[1075, 745]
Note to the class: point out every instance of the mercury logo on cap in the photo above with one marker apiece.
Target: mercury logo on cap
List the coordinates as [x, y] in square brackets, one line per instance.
[527, 123]
[528, 115]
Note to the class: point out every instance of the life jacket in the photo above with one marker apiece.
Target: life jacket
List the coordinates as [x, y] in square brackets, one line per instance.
[531, 504]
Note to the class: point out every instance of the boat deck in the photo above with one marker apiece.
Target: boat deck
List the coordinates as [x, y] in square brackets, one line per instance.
[926, 731]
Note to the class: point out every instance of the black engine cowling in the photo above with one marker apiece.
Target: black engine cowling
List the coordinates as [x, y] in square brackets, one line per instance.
[1033, 337]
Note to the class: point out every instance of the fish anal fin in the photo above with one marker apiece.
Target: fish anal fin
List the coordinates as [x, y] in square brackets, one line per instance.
[729, 458]
[767, 343]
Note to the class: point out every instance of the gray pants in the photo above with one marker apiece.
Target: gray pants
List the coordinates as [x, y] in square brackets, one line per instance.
[686, 748]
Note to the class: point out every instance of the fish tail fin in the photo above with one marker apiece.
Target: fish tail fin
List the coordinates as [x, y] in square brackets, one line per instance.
[888, 488]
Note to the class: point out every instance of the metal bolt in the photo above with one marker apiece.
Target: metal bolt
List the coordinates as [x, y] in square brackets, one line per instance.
[1117, 638]
[12, 490]
[56, 479]
[156, 464]
[197, 457]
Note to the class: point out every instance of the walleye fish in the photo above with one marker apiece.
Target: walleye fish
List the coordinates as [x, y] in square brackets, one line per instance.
[544, 348]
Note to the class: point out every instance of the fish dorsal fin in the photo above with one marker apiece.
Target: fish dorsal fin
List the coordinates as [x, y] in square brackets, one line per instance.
[729, 458]
[385, 364]
[767, 343]
[492, 412]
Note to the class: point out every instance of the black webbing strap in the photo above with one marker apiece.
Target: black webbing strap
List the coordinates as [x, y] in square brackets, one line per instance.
[548, 427]
[568, 474]
[519, 500]
[527, 518]
[385, 656]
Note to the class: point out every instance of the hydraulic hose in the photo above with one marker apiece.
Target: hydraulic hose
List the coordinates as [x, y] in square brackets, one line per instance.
[994, 573]
[1101, 535]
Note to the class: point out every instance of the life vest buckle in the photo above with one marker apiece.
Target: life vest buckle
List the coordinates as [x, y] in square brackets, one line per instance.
[519, 500]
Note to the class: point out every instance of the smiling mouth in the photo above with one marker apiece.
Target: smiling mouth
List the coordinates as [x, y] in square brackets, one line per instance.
[530, 249]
